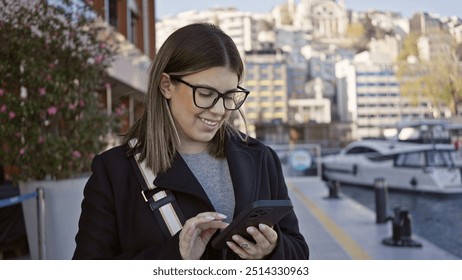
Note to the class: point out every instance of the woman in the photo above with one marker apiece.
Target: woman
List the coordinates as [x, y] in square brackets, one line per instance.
[206, 171]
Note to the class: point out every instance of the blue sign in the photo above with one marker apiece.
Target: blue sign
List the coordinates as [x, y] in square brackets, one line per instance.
[300, 160]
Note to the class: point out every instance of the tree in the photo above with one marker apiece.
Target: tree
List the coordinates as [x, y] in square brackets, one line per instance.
[51, 66]
[436, 77]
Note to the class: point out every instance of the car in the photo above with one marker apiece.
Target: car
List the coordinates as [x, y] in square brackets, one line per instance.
[401, 165]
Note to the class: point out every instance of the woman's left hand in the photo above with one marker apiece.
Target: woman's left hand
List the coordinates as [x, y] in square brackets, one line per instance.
[265, 237]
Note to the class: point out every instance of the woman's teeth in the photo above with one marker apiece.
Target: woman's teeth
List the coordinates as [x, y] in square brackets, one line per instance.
[207, 122]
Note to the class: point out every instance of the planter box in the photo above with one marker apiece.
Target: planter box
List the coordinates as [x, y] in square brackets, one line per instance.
[63, 200]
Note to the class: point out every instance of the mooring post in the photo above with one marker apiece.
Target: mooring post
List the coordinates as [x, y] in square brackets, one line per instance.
[381, 200]
[334, 189]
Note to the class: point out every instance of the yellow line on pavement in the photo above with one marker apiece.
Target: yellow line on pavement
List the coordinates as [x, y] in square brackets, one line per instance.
[347, 243]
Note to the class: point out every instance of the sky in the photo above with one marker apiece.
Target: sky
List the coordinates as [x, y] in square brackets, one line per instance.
[406, 7]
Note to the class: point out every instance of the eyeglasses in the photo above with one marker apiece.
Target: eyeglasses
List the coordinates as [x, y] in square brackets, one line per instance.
[206, 97]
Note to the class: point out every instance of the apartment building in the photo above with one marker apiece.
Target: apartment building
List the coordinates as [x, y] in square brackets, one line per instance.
[379, 100]
[242, 27]
[267, 80]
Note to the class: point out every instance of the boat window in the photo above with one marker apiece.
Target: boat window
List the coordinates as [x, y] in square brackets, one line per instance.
[437, 158]
[455, 157]
[378, 158]
[360, 150]
[411, 159]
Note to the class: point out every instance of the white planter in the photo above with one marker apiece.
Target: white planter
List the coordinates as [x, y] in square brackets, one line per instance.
[63, 200]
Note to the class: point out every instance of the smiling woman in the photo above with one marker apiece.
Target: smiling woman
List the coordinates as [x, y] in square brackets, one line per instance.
[196, 170]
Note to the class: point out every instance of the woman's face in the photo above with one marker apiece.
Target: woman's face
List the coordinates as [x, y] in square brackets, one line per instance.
[196, 126]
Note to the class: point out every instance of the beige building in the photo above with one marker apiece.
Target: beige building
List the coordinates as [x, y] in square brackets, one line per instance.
[325, 18]
[242, 27]
[266, 78]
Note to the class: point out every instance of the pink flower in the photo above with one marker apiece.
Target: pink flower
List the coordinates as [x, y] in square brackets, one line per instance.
[41, 140]
[119, 111]
[3, 108]
[1, 91]
[52, 110]
[107, 85]
[99, 59]
[12, 115]
[22, 151]
[82, 103]
[102, 45]
[76, 154]
[72, 106]
[48, 78]
[42, 91]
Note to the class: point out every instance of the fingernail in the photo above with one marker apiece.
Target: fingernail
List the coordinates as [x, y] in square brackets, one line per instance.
[211, 218]
[235, 238]
[250, 229]
[262, 227]
[222, 216]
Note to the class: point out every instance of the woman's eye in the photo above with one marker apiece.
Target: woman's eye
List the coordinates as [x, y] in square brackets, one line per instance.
[205, 92]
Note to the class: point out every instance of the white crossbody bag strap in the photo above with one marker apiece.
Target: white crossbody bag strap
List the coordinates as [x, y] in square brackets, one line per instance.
[161, 200]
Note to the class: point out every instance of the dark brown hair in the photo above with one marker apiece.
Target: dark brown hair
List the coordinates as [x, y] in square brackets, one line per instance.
[188, 50]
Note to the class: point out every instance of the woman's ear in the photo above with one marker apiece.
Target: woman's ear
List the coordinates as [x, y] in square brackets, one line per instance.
[166, 86]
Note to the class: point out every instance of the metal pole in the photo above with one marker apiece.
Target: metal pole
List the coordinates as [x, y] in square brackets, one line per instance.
[381, 200]
[42, 251]
[318, 160]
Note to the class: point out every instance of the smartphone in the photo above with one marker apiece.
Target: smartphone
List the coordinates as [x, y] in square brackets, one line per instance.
[268, 212]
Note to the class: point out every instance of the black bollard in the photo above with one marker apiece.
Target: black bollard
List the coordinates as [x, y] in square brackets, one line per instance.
[401, 230]
[381, 200]
[334, 189]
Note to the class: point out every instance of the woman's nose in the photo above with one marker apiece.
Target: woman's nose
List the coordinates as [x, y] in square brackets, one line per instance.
[219, 107]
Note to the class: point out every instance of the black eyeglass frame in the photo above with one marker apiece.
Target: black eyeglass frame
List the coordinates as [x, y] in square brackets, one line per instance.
[220, 95]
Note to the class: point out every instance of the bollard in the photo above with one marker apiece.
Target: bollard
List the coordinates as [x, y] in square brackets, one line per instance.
[381, 200]
[401, 230]
[41, 224]
[334, 189]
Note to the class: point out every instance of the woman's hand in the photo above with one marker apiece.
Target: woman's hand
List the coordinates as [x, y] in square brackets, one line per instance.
[266, 239]
[196, 233]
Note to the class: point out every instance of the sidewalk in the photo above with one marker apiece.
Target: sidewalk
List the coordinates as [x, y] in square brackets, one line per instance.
[342, 229]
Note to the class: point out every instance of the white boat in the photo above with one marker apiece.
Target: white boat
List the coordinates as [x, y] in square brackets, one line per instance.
[409, 166]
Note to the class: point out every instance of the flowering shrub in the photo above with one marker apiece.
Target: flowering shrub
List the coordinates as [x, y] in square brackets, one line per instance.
[51, 66]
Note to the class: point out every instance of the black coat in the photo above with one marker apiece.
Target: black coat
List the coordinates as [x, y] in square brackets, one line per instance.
[116, 222]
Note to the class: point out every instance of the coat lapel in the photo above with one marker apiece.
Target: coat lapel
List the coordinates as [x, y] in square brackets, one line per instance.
[180, 178]
[244, 168]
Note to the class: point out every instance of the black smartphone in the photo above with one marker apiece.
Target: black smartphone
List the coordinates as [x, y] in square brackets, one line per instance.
[268, 212]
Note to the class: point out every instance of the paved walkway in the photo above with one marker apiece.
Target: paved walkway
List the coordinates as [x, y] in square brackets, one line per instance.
[342, 229]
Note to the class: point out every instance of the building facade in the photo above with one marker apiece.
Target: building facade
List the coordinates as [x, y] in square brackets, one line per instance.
[133, 22]
[266, 78]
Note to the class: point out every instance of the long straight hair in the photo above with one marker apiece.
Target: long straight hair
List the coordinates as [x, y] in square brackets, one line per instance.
[188, 50]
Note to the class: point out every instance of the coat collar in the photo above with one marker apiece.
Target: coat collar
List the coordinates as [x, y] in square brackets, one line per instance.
[244, 165]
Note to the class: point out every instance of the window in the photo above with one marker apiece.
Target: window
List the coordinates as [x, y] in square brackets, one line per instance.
[411, 160]
[112, 17]
[437, 158]
[133, 16]
[133, 26]
[360, 150]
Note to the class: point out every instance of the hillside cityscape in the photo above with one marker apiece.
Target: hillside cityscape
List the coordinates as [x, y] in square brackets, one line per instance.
[326, 74]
